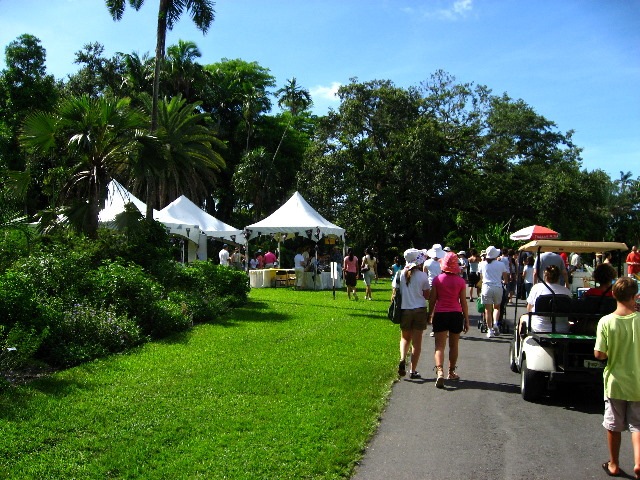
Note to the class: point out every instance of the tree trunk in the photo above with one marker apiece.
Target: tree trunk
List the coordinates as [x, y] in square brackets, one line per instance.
[160, 42]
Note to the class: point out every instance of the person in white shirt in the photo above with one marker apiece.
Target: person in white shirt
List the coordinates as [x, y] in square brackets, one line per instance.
[299, 265]
[224, 255]
[413, 285]
[494, 275]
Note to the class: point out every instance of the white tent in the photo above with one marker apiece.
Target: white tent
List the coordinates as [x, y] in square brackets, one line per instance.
[181, 217]
[117, 198]
[295, 217]
[182, 213]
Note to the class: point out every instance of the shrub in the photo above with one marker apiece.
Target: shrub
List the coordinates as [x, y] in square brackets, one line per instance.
[56, 273]
[18, 303]
[198, 307]
[126, 288]
[165, 318]
[82, 333]
[19, 345]
[216, 281]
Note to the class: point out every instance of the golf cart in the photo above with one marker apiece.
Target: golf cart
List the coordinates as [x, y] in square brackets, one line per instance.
[545, 359]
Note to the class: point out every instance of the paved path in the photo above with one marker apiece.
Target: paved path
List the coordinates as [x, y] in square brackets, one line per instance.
[480, 428]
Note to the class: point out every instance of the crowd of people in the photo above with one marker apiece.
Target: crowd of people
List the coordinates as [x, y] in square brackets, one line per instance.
[436, 284]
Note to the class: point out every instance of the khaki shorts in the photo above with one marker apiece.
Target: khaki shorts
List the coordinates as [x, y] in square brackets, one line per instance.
[414, 319]
[620, 415]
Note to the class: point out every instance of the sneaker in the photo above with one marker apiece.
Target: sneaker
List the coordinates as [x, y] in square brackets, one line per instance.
[369, 298]
[490, 333]
[414, 375]
[496, 331]
[402, 368]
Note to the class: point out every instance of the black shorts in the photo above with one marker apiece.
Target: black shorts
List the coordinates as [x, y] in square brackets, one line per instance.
[451, 322]
[474, 278]
[350, 278]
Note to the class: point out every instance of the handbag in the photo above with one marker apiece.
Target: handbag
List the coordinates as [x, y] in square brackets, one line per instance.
[479, 305]
[365, 267]
[395, 311]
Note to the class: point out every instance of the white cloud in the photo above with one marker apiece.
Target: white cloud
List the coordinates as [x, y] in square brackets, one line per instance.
[326, 93]
[448, 10]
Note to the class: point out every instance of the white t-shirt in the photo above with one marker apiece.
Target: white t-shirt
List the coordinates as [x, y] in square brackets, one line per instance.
[492, 272]
[544, 323]
[298, 261]
[224, 257]
[528, 274]
[433, 269]
[412, 295]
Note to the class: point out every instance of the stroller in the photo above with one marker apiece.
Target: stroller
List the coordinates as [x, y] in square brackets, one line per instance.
[502, 323]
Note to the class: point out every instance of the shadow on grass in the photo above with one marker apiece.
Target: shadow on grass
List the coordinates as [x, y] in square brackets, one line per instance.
[253, 311]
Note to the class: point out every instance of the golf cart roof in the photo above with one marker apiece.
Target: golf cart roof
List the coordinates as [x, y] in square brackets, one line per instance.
[571, 246]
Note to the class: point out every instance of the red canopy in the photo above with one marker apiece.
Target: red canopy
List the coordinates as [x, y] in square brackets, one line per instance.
[534, 232]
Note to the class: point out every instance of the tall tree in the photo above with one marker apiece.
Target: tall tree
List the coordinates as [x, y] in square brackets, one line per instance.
[182, 159]
[100, 136]
[98, 75]
[226, 97]
[182, 72]
[169, 12]
[296, 100]
[24, 87]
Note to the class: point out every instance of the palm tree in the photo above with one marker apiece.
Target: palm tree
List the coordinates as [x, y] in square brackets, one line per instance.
[181, 69]
[182, 159]
[296, 100]
[138, 72]
[169, 13]
[100, 136]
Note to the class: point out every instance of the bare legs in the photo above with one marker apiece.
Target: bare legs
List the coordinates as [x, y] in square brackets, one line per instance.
[441, 342]
[352, 289]
[413, 338]
[614, 439]
[635, 439]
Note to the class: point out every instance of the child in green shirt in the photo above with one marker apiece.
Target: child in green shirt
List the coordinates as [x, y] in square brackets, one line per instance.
[615, 343]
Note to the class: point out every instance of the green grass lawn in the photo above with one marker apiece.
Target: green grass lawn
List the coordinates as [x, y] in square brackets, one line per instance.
[290, 386]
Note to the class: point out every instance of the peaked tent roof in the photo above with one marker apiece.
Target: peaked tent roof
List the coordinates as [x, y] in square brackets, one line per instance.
[183, 212]
[297, 217]
[117, 197]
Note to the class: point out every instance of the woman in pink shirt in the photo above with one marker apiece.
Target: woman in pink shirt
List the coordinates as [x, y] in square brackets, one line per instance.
[350, 268]
[449, 314]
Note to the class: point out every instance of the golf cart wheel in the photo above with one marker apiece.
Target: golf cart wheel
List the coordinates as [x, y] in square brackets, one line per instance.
[532, 386]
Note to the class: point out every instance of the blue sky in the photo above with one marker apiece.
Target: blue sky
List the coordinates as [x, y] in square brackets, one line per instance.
[576, 62]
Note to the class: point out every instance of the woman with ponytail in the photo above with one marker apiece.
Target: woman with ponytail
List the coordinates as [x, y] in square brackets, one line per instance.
[413, 285]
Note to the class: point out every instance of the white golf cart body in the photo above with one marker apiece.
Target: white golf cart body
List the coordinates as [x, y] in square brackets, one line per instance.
[545, 359]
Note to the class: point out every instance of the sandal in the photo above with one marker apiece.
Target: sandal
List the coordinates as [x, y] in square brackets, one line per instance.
[452, 373]
[402, 371]
[440, 378]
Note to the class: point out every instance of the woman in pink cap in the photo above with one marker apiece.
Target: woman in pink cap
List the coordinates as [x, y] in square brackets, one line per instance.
[449, 314]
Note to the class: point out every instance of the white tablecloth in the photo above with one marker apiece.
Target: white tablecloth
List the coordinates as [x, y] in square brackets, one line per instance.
[266, 278]
[323, 281]
[262, 278]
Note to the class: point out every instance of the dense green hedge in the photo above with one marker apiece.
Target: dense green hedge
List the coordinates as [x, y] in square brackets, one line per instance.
[75, 299]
